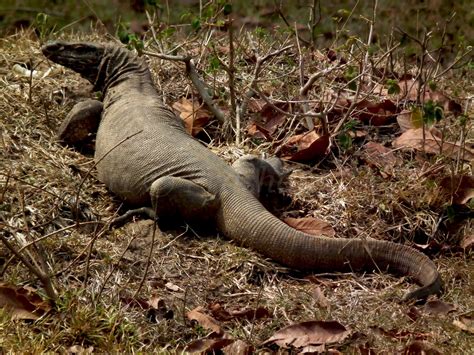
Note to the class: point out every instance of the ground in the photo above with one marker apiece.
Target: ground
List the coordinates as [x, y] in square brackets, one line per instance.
[106, 301]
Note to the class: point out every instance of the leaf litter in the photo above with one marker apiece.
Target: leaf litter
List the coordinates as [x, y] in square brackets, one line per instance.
[338, 201]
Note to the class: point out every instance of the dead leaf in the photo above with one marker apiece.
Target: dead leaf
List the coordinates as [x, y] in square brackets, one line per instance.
[467, 242]
[204, 320]
[305, 147]
[80, 350]
[257, 131]
[194, 116]
[437, 307]
[203, 346]
[409, 91]
[380, 157]
[251, 314]
[410, 119]
[256, 105]
[172, 287]
[219, 313]
[413, 313]
[419, 347]
[268, 120]
[459, 187]
[465, 323]
[311, 225]
[375, 113]
[309, 333]
[399, 334]
[320, 298]
[22, 302]
[432, 143]
[238, 347]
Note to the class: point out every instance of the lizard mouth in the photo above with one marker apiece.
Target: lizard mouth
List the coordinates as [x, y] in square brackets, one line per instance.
[72, 51]
[83, 58]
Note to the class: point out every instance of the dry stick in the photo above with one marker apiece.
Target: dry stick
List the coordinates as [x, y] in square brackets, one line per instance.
[282, 15]
[256, 73]
[453, 64]
[109, 275]
[7, 263]
[336, 38]
[148, 260]
[44, 278]
[312, 23]
[231, 71]
[309, 121]
[76, 207]
[21, 199]
[96, 235]
[196, 80]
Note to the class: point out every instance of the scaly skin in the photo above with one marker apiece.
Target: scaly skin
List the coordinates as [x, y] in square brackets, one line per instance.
[142, 148]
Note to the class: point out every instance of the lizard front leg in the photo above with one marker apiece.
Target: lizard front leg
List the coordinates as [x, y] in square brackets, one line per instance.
[176, 198]
[82, 121]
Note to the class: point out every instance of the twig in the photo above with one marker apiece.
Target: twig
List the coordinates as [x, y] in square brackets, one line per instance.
[76, 207]
[282, 15]
[102, 287]
[256, 73]
[43, 277]
[195, 79]
[148, 260]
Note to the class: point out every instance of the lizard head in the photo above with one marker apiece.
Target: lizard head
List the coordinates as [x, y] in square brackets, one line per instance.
[104, 65]
[84, 58]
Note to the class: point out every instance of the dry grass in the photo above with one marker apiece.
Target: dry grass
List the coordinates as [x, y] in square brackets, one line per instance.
[38, 177]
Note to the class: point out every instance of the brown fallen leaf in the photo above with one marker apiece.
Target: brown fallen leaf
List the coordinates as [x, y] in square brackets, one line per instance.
[221, 314]
[459, 187]
[251, 314]
[320, 298]
[465, 323]
[408, 119]
[268, 120]
[431, 142]
[311, 225]
[238, 347]
[419, 347]
[437, 307]
[80, 350]
[380, 157]
[375, 113]
[305, 147]
[204, 346]
[22, 302]
[409, 91]
[172, 287]
[204, 320]
[467, 242]
[194, 116]
[309, 333]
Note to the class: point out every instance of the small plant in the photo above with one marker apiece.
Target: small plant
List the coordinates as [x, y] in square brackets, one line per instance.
[432, 112]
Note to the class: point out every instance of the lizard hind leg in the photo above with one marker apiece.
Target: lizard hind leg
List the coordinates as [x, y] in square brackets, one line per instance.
[177, 198]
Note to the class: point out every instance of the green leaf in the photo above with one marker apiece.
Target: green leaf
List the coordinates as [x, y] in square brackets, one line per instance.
[393, 87]
[417, 117]
[432, 85]
[196, 24]
[227, 9]
[345, 141]
[214, 64]
[432, 112]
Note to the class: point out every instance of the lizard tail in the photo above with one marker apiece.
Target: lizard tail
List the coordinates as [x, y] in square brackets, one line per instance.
[243, 219]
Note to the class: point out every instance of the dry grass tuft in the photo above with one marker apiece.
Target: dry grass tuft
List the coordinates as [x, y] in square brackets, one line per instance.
[39, 180]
